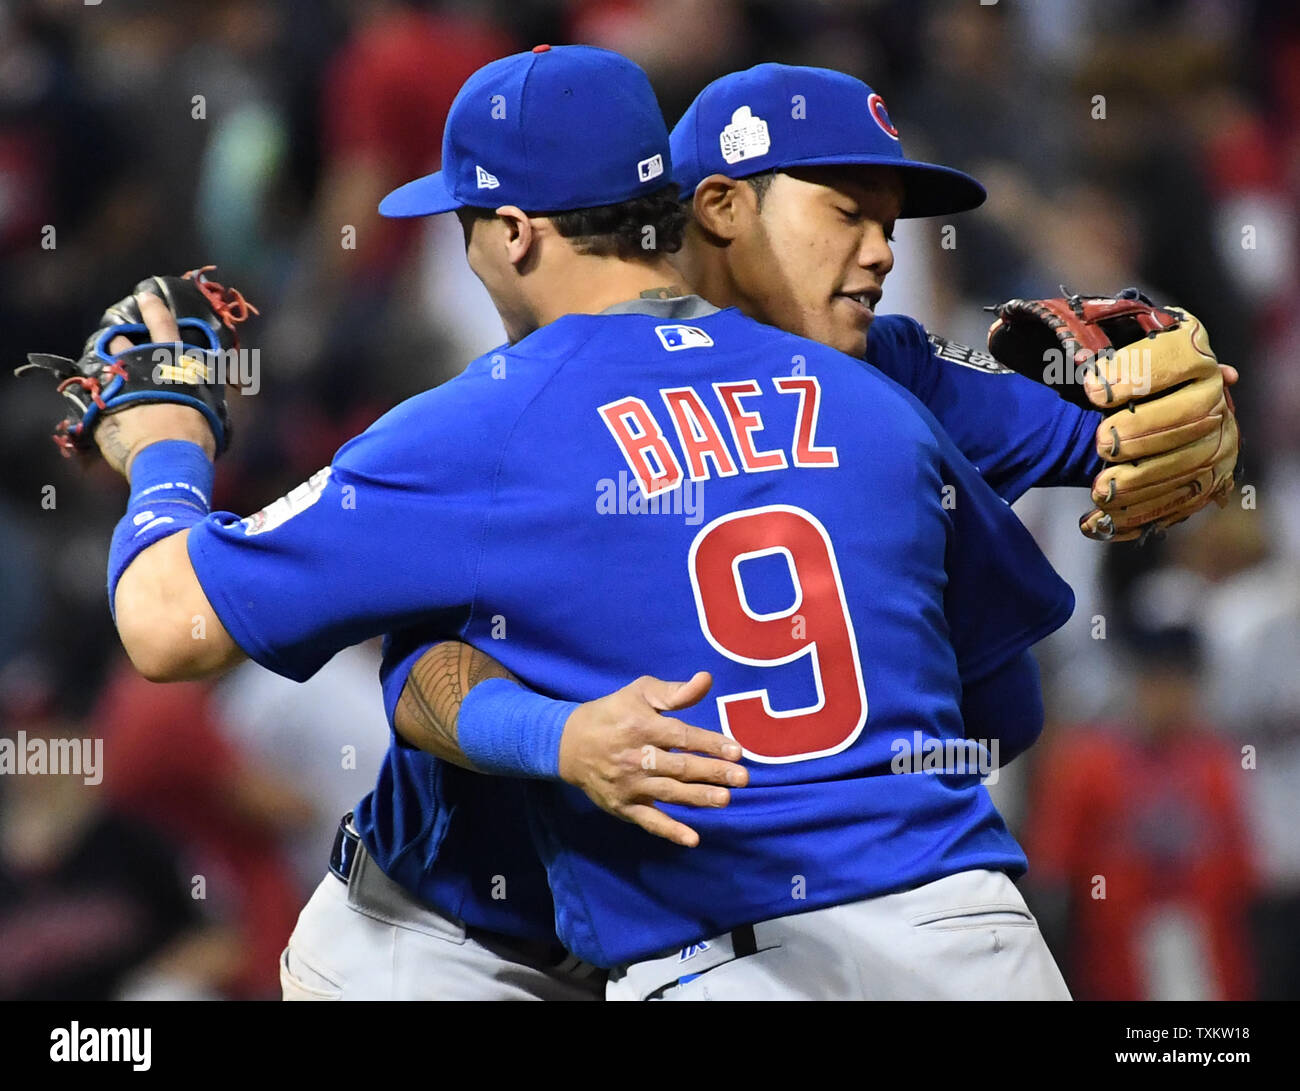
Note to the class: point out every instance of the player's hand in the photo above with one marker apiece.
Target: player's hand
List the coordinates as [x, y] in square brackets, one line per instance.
[626, 755]
[123, 433]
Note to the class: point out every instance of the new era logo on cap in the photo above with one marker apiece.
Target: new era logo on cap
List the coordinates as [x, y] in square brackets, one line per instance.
[675, 338]
[485, 179]
[745, 138]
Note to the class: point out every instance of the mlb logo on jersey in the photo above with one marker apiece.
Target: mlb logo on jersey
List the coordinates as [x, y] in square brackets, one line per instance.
[677, 337]
[650, 168]
[485, 179]
[745, 138]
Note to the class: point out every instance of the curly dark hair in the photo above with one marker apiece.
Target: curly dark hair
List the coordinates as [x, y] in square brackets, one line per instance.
[639, 228]
[642, 227]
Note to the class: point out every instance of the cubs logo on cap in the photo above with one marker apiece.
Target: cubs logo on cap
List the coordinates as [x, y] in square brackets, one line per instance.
[876, 106]
[556, 128]
[779, 115]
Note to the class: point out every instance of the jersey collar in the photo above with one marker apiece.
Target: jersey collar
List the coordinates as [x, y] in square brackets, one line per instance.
[682, 306]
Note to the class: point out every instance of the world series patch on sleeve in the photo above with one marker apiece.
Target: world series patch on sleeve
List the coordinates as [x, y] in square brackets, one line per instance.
[966, 356]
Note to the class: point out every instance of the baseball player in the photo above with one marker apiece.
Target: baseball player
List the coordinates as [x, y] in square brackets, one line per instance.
[837, 559]
[764, 247]
[446, 884]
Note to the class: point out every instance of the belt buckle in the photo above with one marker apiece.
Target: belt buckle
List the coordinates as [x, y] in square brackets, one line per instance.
[347, 845]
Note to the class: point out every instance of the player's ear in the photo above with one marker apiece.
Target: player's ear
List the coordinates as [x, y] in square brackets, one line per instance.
[520, 235]
[722, 206]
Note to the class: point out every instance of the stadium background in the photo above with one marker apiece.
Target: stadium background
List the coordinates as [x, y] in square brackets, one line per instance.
[1159, 810]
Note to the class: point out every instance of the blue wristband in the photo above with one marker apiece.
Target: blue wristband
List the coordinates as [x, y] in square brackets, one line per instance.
[171, 489]
[511, 731]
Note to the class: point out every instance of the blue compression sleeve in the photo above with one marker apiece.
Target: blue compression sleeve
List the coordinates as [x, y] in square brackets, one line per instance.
[171, 489]
[506, 729]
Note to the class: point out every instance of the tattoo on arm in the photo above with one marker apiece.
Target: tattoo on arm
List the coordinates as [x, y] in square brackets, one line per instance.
[108, 436]
[431, 699]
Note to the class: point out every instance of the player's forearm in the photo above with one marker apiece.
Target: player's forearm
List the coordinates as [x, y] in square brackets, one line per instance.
[164, 619]
[167, 626]
[621, 750]
[1079, 462]
[1021, 434]
[429, 707]
[1056, 448]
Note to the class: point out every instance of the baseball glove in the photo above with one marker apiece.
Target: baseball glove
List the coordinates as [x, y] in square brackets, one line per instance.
[1169, 436]
[190, 373]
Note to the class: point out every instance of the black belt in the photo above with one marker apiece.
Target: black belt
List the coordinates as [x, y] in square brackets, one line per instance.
[347, 850]
[743, 941]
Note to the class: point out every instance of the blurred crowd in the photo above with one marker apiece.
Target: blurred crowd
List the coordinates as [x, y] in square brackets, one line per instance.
[1148, 142]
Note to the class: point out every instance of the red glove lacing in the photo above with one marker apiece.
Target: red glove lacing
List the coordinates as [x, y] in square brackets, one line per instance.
[228, 304]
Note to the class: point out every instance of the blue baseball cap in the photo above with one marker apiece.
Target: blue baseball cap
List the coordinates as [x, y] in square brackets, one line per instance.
[780, 115]
[554, 129]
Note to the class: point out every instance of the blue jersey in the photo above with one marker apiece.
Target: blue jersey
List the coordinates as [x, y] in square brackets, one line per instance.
[617, 495]
[1016, 432]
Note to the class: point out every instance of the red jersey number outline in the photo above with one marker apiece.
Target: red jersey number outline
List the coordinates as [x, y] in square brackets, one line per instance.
[731, 626]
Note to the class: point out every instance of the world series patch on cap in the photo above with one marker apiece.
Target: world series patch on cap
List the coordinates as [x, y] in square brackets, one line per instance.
[779, 115]
[556, 128]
